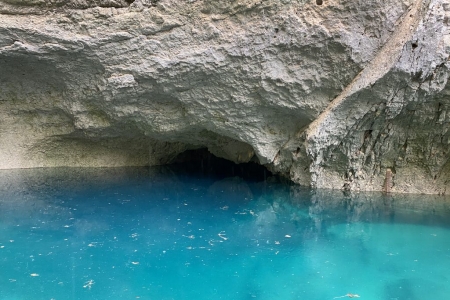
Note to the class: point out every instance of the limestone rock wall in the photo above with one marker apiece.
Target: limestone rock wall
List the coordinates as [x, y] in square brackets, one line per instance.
[332, 94]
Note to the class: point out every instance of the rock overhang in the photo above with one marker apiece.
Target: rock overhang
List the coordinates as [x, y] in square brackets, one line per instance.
[142, 82]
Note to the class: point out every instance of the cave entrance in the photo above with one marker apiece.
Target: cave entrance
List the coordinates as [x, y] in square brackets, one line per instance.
[202, 162]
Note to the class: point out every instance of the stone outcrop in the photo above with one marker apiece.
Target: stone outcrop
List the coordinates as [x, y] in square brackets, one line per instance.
[333, 94]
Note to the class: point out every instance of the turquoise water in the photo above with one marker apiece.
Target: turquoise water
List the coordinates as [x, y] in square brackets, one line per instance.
[164, 234]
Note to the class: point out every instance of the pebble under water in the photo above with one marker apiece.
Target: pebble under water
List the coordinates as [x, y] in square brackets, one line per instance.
[159, 233]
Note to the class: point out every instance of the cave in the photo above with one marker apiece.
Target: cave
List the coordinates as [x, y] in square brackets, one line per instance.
[201, 162]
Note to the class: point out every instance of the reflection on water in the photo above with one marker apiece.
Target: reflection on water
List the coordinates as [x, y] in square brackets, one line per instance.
[159, 233]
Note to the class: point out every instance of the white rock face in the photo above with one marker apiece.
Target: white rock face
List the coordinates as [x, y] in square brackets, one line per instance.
[332, 95]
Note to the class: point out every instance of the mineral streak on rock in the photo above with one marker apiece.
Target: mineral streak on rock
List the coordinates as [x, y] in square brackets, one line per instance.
[388, 181]
[327, 93]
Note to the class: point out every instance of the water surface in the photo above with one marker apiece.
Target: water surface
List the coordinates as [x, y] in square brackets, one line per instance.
[161, 233]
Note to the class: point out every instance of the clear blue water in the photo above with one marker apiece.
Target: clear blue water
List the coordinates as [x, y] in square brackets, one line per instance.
[163, 234]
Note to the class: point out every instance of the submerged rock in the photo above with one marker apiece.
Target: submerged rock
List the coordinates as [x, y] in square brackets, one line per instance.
[328, 93]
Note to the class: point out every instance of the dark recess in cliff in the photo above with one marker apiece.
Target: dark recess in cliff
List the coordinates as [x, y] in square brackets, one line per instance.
[202, 162]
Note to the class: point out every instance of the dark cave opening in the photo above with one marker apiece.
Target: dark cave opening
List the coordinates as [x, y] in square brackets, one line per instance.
[203, 163]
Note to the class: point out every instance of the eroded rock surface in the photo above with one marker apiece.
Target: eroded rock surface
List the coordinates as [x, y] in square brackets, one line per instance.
[333, 94]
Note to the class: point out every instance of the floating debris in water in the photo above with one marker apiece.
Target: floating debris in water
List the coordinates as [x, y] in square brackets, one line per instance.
[89, 284]
[349, 295]
[222, 235]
